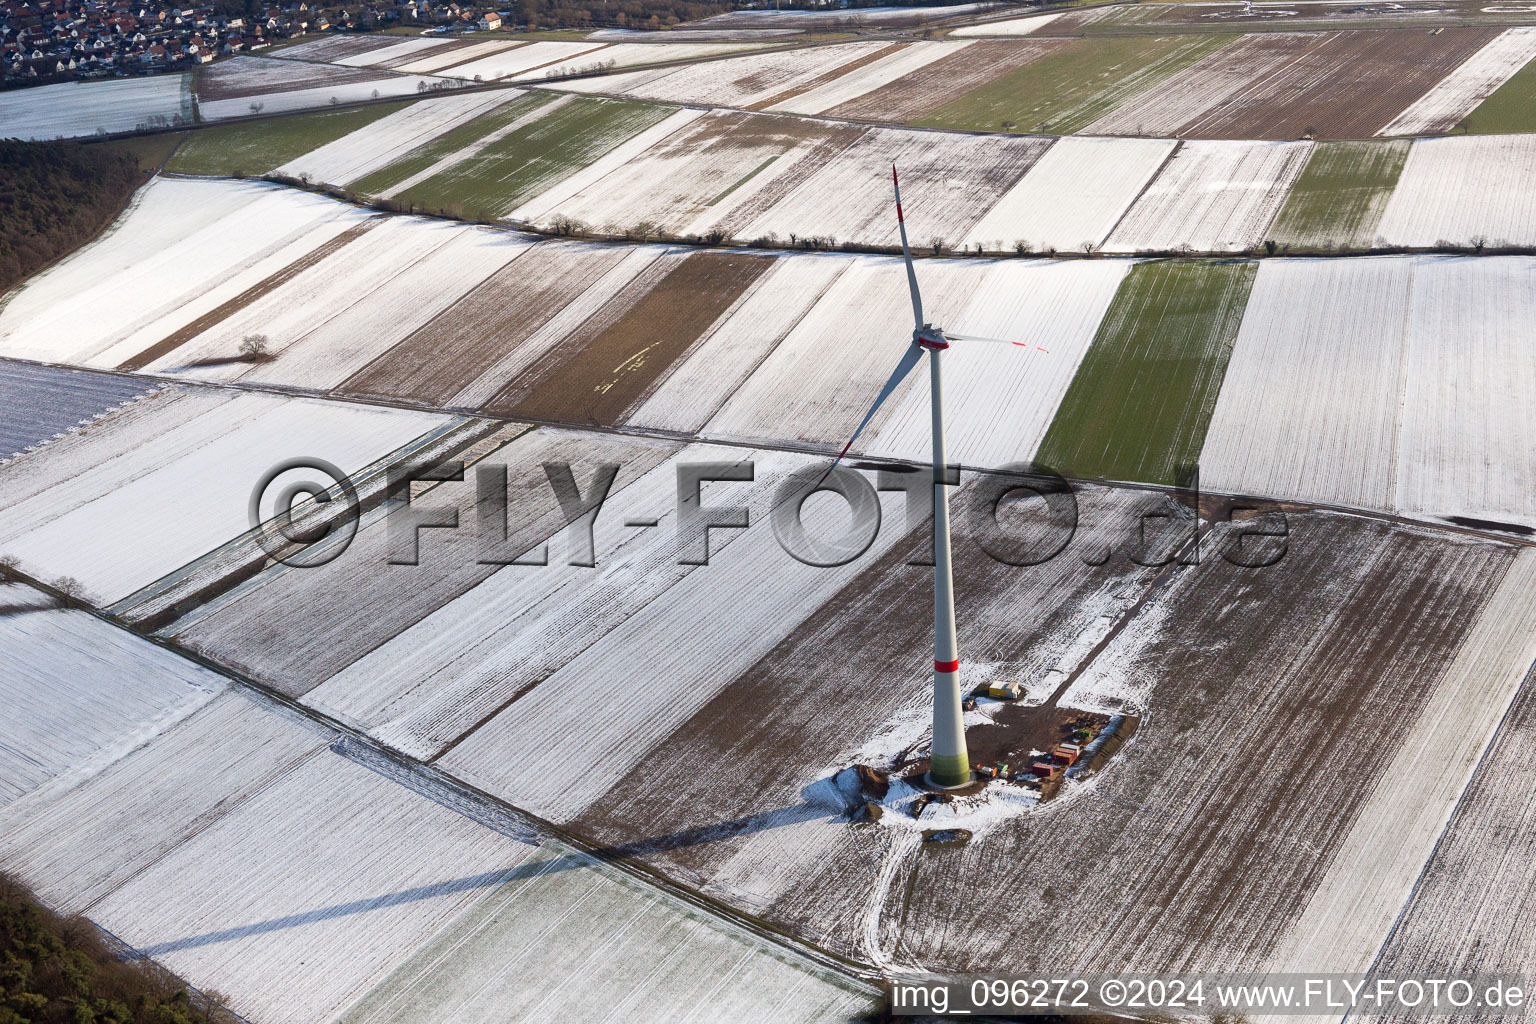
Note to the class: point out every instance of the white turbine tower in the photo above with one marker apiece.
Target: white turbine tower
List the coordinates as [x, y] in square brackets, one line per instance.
[950, 764]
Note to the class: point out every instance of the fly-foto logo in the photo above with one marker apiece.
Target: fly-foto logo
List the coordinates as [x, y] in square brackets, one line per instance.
[305, 513]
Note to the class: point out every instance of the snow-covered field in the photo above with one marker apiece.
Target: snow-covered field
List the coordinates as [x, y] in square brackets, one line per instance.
[1008, 27]
[724, 358]
[1372, 879]
[270, 903]
[999, 399]
[867, 78]
[384, 141]
[1465, 188]
[746, 81]
[657, 667]
[1073, 196]
[1469, 436]
[1312, 399]
[178, 244]
[72, 109]
[1389, 383]
[951, 182]
[817, 383]
[315, 97]
[435, 681]
[74, 844]
[78, 693]
[603, 948]
[541, 206]
[118, 509]
[1458, 93]
[1212, 197]
[371, 309]
[524, 60]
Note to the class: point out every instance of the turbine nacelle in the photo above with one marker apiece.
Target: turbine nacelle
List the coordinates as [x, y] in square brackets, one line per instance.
[930, 337]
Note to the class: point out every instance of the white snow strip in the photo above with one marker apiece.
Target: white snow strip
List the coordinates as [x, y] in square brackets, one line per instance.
[1011, 27]
[868, 78]
[1458, 93]
[384, 141]
[1310, 403]
[1212, 197]
[623, 153]
[1463, 188]
[1073, 196]
[1369, 880]
[999, 399]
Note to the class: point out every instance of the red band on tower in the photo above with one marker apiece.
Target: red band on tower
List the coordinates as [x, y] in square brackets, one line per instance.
[946, 666]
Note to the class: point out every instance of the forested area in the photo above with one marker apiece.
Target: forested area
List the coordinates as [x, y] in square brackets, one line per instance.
[57, 197]
[55, 970]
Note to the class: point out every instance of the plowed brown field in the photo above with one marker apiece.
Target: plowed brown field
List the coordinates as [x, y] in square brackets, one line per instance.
[1273, 700]
[440, 359]
[1349, 87]
[602, 369]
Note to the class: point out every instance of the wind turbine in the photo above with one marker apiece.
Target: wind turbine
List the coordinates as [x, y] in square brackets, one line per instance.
[950, 764]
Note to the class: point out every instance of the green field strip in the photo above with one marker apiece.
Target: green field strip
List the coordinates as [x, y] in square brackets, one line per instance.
[256, 147]
[1511, 108]
[754, 172]
[524, 163]
[1341, 193]
[1142, 399]
[450, 142]
[1069, 89]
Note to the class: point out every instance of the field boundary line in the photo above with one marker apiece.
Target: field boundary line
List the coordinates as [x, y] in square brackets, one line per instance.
[1281, 502]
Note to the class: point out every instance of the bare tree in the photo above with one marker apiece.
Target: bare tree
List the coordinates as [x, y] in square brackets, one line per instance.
[68, 587]
[253, 348]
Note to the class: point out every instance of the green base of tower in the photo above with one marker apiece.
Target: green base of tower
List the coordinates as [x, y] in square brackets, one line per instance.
[949, 770]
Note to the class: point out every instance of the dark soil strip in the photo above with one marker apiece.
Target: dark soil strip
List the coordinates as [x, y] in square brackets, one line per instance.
[442, 357]
[234, 84]
[926, 89]
[1349, 87]
[219, 314]
[826, 76]
[596, 377]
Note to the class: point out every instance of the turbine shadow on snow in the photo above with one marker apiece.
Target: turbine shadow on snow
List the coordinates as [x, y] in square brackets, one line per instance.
[816, 805]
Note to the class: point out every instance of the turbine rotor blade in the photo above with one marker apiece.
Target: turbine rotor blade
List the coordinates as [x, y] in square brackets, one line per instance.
[908, 360]
[992, 341]
[906, 254]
